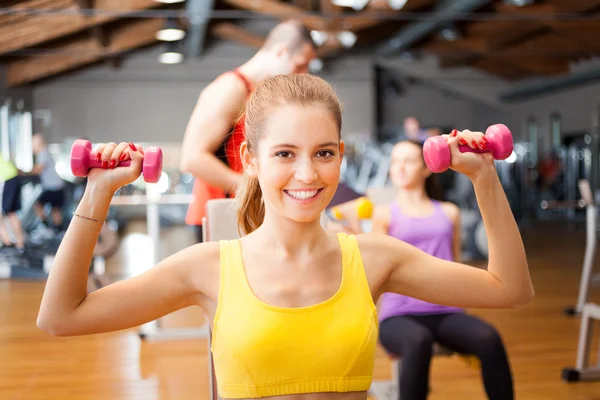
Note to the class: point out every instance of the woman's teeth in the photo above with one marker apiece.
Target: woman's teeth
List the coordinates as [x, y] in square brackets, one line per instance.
[302, 194]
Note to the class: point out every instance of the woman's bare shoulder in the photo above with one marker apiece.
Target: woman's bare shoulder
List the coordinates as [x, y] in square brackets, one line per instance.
[203, 262]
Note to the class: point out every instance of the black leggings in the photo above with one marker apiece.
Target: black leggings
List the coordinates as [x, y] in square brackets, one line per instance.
[411, 338]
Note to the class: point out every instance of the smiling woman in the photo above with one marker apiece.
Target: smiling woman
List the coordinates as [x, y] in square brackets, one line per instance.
[291, 305]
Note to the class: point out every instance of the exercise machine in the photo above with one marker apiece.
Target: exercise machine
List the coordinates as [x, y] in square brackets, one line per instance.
[589, 312]
[587, 201]
[582, 370]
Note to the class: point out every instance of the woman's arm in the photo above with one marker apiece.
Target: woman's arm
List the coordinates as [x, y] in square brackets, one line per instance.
[67, 309]
[506, 282]
[381, 219]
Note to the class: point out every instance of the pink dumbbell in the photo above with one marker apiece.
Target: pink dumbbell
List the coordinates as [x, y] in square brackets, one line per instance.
[82, 160]
[437, 153]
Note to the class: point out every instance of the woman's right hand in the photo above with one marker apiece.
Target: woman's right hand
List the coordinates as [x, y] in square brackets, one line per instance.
[111, 154]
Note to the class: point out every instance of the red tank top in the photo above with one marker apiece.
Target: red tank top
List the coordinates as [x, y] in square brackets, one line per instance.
[229, 153]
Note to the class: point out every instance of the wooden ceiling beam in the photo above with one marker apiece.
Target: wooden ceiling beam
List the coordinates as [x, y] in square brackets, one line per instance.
[305, 4]
[7, 19]
[545, 66]
[281, 11]
[313, 22]
[96, 30]
[28, 33]
[364, 20]
[235, 33]
[82, 52]
[534, 9]
[524, 45]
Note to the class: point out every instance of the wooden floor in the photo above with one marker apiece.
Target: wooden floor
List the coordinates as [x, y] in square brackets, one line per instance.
[35, 366]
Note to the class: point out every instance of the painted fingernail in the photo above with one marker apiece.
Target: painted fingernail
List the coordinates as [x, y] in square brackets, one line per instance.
[482, 145]
[484, 139]
[113, 163]
[132, 146]
[454, 133]
[474, 143]
[105, 164]
[123, 157]
[98, 156]
[462, 141]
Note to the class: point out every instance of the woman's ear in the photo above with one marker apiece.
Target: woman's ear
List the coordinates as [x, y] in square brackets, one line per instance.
[248, 159]
[342, 148]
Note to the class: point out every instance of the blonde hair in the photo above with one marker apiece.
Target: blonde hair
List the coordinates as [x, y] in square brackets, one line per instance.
[298, 89]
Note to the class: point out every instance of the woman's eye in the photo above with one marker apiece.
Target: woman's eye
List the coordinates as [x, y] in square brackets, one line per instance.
[283, 154]
[325, 153]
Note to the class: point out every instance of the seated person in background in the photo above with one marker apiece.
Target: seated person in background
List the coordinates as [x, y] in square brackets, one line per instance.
[409, 327]
[10, 183]
[53, 186]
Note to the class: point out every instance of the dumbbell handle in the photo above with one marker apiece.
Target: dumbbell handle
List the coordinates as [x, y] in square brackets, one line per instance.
[467, 149]
[93, 163]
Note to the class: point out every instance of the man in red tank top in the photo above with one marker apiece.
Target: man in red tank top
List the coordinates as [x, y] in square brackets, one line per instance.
[210, 149]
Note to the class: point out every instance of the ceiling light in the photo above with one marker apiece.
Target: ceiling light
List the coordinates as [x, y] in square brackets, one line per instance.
[170, 34]
[397, 4]
[171, 55]
[347, 38]
[319, 37]
[519, 3]
[450, 34]
[357, 5]
[315, 65]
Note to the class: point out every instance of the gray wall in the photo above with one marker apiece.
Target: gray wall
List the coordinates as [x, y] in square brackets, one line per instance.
[149, 102]
[431, 106]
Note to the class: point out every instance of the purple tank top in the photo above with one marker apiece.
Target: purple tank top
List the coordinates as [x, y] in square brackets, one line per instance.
[432, 234]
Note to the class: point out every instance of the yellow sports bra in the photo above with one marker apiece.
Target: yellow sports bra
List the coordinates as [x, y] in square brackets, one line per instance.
[261, 350]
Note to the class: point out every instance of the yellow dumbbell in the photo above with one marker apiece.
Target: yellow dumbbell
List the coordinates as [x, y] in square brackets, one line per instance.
[362, 205]
[364, 208]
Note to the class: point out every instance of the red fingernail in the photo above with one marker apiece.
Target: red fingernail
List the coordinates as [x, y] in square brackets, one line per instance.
[123, 157]
[113, 163]
[474, 143]
[482, 145]
[132, 146]
[484, 139]
[98, 156]
[104, 164]
[454, 133]
[462, 141]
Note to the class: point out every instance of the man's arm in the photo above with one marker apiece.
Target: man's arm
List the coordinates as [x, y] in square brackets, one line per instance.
[217, 108]
[39, 166]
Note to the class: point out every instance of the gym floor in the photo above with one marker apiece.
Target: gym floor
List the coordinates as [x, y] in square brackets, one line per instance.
[540, 340]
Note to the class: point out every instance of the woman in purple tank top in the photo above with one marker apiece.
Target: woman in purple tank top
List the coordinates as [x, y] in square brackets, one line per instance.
[409, 327]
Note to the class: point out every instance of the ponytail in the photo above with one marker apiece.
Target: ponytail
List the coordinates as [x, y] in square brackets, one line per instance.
[251, 210]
